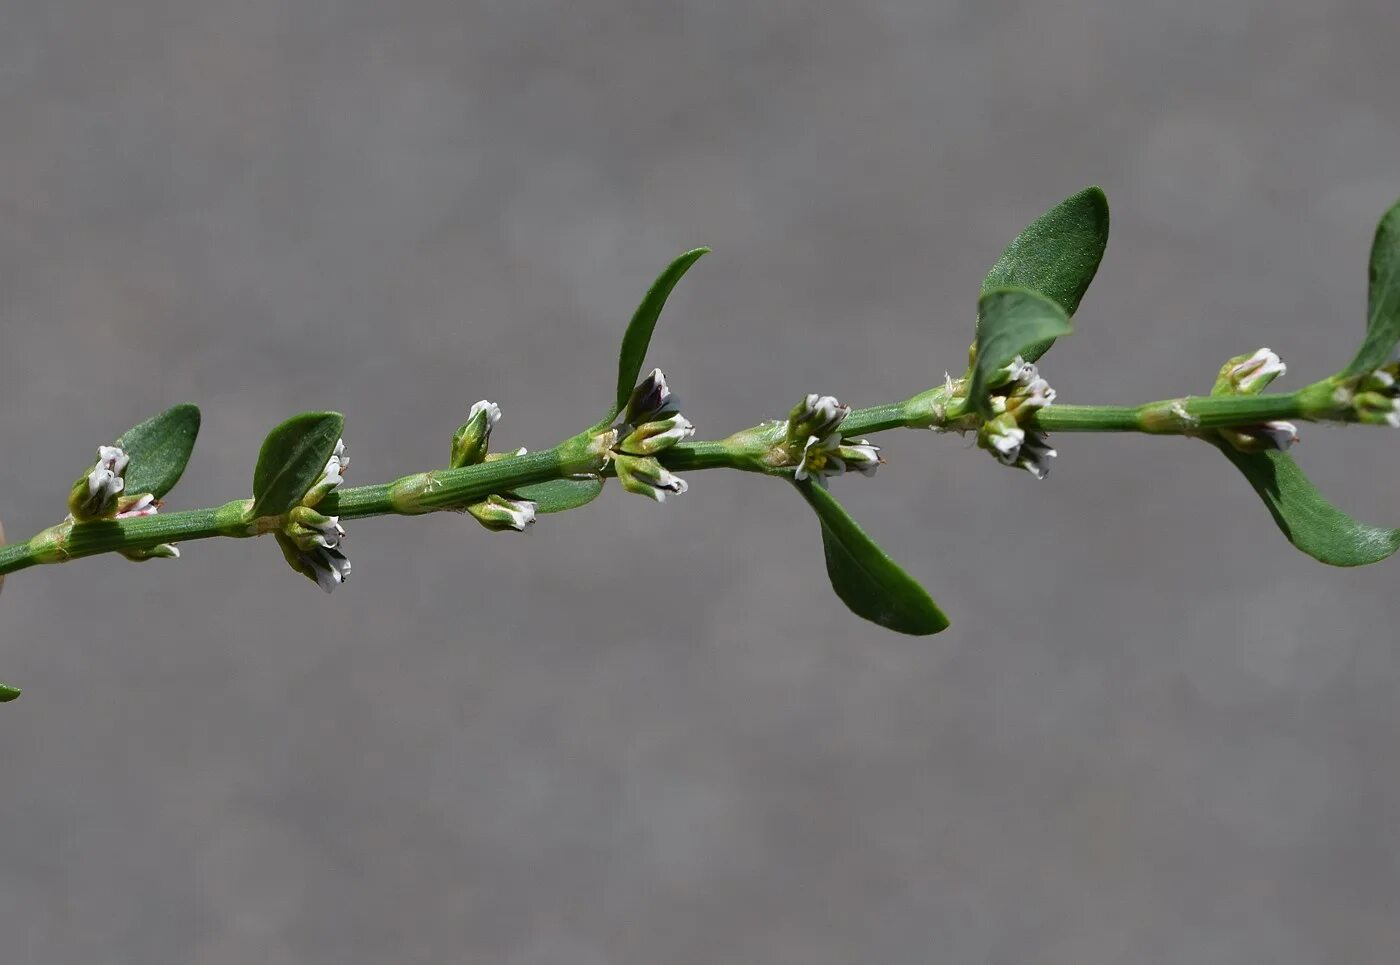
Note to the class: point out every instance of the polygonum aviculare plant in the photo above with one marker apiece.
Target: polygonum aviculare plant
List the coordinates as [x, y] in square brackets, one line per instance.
[645, 442]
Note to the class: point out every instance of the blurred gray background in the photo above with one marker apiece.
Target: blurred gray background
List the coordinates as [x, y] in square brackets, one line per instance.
[650, 734]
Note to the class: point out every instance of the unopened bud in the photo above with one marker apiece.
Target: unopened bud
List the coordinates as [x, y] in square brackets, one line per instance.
[96, 495]
[650, 400]
[134, 507]
[649, 438]
[647, 477]
[1003, 438]
[1035, 454]
[326, 567]
[1276, 434]
[333, 475]
[816, 415]
[1249, 374]
[1378, 408]
[860, 456]
[498, 513]
[470, 441]
[310, 530]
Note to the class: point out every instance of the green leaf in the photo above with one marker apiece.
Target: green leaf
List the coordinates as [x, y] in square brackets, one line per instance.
[1383, 315]
[159, 449]
[292, 459]
[870, 583]
[8, 693]
[1057, 255]
[558, 495]
[638, 336]
[1012, 320]
[1309, 521]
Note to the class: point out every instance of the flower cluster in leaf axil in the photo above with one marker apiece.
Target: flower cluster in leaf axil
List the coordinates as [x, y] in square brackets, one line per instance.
[101, 495]
[651, 423]
[814, 436]
[310, 541]
[1250, 375]
[470, 445]
[1017, 391]
[1377, 399]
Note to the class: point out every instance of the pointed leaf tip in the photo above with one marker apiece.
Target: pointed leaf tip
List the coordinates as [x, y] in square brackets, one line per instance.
[637, 338]
[1383, 297]
[872, 585]
[1305, 517]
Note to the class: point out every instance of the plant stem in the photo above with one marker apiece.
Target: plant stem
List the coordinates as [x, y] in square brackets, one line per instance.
[758, 449]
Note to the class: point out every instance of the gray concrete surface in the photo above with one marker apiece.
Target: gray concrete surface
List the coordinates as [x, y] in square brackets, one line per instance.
[649, 734]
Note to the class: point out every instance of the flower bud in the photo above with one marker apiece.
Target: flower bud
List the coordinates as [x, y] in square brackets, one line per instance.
[1029, 395]
[1035, 454]
[309, 530]
[331, 476]
[1003, 438]
[1015, 372]
[649, 438]
[1378, 408]
[647, 477]
[498, 513]
[96, 495]
[1385, 380]
[816, 415]
[134, 507]
[325, 566]
[650, 400]
[1249, 374]
[1276, 434]
[470, 441]
[860, 456]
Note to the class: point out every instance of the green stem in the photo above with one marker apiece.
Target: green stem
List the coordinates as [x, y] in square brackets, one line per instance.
[761, 448]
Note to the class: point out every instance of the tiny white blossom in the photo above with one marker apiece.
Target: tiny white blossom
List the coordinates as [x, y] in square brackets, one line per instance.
[1257, 371]
[652, 437]
[1035, 455]
[816, 415]
[819, 458]
[492, 410]
[1006, 442]
[861, 456]
[105, 480]
[1280, 434]
[499, 513]
[144, 505]
[329, 567]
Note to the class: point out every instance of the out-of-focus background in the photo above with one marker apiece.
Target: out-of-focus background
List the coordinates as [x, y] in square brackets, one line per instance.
[1154, 733]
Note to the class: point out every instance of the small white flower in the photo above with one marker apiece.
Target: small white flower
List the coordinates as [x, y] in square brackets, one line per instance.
[645, 476]
[650, 399]
[650, 438]
[1257, 371]
[105, 481]
[1006, 442]
[819, 458]
[1035, 455]
[861, 456]
[492, 410]
[1280, 434]
[499, 513]
[329, 567]
[143, 505]
[816, 415]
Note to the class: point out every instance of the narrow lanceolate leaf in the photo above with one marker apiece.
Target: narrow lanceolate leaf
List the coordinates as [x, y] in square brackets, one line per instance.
[1383, 315]
[159, 449]
[1012, 321]
[870, 583]
[638, 336]
[1309, 521]
[8, 693]
[558, 495]
[1057, 255]
[292, 459]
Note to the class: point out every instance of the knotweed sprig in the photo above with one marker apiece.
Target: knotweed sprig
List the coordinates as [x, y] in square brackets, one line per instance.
[645, 442]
